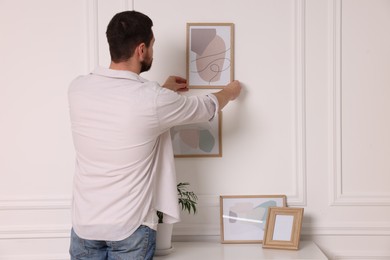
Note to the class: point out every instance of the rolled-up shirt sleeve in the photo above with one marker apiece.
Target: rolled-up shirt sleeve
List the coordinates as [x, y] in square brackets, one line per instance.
[215, 104]
[174, 109]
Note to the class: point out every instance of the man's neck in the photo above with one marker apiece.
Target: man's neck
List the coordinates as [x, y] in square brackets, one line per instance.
[125, 66]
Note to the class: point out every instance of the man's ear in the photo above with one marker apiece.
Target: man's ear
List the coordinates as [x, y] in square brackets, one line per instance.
[141, 51]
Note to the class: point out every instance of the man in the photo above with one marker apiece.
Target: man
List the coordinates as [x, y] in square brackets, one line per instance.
[124, 168]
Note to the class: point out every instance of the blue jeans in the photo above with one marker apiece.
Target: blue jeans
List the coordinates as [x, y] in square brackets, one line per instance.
[139, 246]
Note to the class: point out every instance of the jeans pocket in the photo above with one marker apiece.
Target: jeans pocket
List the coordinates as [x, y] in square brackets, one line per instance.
[138, 246]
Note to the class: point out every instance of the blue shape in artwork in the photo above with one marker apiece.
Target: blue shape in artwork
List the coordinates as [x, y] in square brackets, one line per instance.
[266, 205]
[206, 141]
[234, 215]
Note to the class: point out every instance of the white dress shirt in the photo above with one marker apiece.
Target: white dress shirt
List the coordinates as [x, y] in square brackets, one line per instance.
[124, 160]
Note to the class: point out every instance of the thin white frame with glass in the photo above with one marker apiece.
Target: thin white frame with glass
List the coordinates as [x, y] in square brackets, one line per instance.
[199, 139]
[210, 55]
[243, 217]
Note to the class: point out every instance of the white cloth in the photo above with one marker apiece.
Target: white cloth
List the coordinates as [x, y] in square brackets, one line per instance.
[124, 159]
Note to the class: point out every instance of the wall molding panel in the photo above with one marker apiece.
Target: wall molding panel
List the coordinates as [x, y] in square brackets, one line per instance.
[299, 197]
[92, 35]
[92, 61]
[347, 229]
[35, 232]
[338, 197]
[35, 204]
[93, 30]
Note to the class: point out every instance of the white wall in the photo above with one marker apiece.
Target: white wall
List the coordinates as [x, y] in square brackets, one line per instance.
[313, 121]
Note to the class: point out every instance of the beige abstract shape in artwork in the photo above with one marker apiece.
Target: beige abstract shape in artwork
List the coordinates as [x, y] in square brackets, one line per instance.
[210, 52]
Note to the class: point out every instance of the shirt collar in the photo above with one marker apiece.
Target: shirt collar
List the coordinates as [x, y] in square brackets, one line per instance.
[122, 74]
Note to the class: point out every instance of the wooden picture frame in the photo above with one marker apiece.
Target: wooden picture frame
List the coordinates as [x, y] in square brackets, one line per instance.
[198, 140]
[210, 55]
[283, 228]
[243, 218]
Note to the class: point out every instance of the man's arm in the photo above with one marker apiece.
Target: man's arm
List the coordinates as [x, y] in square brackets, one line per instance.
[228, 93]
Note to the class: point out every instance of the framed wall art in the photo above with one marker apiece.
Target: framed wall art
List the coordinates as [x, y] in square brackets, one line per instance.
[210, 55]
[198, 140]
[283, 228]
[244, 218]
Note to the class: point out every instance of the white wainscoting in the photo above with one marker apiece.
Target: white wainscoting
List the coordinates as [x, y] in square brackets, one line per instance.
[338, 195]
[344, 224]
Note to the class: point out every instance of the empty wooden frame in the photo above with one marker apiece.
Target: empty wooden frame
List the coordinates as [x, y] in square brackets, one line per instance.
[283, 228]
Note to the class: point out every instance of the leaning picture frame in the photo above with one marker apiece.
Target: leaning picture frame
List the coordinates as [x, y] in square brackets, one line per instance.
[209, 55]
[283, 228]
[243, 218]
[198, 139]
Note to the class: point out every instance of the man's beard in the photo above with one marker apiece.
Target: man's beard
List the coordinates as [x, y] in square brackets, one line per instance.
[146, 65]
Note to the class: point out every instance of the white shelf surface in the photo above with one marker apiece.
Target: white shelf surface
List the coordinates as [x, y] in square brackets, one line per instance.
[218, 251]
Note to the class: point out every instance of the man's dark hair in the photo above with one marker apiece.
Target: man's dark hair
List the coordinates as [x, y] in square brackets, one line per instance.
[125, 32]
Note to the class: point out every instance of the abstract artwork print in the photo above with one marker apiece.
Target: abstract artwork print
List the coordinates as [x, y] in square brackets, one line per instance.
[243, 218]
[198, 140]
[209, 55]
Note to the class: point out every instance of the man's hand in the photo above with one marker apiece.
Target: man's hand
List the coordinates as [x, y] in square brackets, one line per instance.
[176, 84]
[234, 89]
[230, 92]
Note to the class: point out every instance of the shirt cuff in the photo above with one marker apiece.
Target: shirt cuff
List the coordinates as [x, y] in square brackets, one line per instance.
[214, 100]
